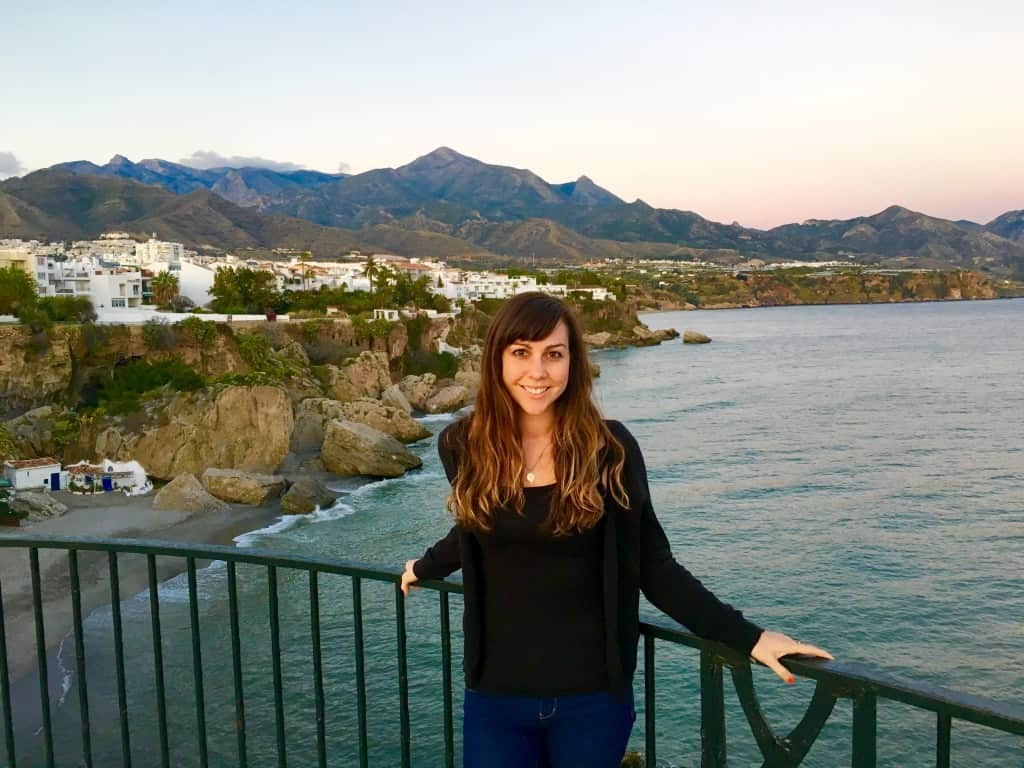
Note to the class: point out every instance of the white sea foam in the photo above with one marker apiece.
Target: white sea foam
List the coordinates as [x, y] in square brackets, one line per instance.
[66, 674]
[288, 522]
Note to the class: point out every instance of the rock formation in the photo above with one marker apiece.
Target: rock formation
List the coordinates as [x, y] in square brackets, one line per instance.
[305, 495]
[695, 337]
[247, 428]
[350, 448]
[186, 494]
[242, 487]
[37, 505]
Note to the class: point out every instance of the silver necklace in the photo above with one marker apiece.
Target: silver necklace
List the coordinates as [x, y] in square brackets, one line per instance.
[529, 473]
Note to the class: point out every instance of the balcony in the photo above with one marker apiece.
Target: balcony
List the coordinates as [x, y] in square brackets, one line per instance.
[257, 679]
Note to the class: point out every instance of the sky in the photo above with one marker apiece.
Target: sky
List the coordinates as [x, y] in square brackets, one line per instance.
[761, 113]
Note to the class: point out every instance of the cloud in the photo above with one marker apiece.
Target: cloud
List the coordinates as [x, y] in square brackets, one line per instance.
[205, 158]
[344, 167]
[10, 165]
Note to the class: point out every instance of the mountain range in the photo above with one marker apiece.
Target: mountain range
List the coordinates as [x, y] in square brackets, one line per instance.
[447, 205]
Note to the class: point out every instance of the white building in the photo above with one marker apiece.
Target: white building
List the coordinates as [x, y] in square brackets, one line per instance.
[195, 281]
[115, 288]
[38, 473]
[154, 250]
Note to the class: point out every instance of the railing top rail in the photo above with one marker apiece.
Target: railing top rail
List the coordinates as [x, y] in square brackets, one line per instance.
[849, 678]
[844, 678]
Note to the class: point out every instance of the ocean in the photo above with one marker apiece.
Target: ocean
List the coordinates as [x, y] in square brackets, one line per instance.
[850, 475]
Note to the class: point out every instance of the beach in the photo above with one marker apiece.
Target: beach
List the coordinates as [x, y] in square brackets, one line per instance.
[102, 516]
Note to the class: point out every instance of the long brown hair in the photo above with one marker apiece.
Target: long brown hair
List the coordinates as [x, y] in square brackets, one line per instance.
[588, 459]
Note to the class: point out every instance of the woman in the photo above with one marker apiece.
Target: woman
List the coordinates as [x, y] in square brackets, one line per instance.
[556, 537]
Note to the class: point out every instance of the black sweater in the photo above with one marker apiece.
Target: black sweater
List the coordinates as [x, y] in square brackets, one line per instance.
[635, 556]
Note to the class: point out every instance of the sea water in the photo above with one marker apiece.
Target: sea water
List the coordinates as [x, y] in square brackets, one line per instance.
[852, 476]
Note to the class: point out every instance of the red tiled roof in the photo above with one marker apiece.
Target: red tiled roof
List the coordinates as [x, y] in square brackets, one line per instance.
[43, 461]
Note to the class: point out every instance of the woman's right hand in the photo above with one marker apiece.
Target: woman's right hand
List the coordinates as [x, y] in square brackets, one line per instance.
[408, 577]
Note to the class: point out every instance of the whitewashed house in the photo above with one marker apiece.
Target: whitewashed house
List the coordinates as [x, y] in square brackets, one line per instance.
[33, 474]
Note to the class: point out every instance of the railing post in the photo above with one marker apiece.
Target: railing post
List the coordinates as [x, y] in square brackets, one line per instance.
[275, 653]
[318, 670]
[158, 661]
[650, 736]
[712, 713]
[446, 674]
[83, 690]
[236, 666]
[122, 695]
[44, 684]
[5, 688]
[197, 661]
[865, 725]
[357, 621]
[403, 677]
[942, 746]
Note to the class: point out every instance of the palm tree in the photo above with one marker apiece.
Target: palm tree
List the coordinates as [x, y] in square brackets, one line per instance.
[306, 271]
[165, 288]
[371, 270]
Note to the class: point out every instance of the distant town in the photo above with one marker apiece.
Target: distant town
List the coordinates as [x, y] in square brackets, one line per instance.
[115, 272]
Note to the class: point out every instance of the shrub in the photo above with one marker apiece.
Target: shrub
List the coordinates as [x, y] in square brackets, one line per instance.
[202, 332]
[63, 309]
[129, 381]
[254, 349]
[444, 365]
[159, 334]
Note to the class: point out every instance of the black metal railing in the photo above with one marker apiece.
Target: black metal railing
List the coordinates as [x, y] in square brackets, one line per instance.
[863, 686]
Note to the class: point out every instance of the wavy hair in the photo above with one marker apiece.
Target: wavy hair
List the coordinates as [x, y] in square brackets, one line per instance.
[588, 459]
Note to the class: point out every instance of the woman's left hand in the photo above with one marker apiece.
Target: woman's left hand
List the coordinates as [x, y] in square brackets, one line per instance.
[771, 645]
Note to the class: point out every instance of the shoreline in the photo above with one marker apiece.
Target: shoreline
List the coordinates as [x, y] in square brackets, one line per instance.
[721, 308]
[104, 516]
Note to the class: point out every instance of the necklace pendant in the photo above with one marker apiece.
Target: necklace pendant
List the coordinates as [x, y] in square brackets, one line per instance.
[529, 477]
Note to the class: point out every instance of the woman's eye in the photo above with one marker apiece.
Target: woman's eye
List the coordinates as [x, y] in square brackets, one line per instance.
[519, 352]
[557, 355]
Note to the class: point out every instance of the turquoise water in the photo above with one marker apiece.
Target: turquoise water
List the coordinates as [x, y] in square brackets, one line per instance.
[850, 475]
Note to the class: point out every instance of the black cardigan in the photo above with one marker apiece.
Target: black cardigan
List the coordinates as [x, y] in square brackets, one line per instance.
[636, 556]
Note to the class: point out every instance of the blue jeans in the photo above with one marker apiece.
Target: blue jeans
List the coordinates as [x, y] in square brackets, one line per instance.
[581, 731]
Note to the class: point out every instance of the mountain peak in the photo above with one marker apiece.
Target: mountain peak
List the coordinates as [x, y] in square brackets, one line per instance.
[119, 160]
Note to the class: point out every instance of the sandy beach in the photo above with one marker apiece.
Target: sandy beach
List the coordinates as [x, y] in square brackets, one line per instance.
[110, 515]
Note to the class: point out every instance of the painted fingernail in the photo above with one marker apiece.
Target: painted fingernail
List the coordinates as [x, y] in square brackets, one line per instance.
[791, 680]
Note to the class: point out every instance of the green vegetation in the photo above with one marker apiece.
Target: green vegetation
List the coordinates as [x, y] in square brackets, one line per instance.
[202, 332]
[17, 291]
[127, 383]
[242, 290]
[444, 365]
[165, 288]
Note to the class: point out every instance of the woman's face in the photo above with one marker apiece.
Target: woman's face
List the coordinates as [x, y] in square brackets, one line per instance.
[535, 373]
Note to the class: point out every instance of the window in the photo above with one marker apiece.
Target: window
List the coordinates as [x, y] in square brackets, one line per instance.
[117, 302]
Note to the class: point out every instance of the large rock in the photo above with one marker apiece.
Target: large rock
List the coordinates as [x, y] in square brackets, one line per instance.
[33, 367]
[186, 494]
[313, 415]
[365, 376]
[470, 380]
[695, 337]
[394, 397]
[448, 399]
[246, 428]
[419, 389]
[599, 339]
[242, 487]
[385, 418]
[351, 448]
[305, 495]
[37, 505]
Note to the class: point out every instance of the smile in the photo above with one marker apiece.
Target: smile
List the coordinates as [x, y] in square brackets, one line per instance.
[535, 390]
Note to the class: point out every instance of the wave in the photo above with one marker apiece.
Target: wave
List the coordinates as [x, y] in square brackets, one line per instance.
[288, 522]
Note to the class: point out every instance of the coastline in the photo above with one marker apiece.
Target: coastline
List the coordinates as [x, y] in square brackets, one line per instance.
[669, 306]
[101, 516]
